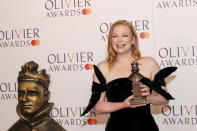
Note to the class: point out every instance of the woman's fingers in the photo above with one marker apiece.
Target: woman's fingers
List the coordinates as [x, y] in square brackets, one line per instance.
[145, 90]
[135, 106]
[126, 102]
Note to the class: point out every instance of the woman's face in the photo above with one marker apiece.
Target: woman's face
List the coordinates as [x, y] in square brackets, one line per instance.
[122, 39]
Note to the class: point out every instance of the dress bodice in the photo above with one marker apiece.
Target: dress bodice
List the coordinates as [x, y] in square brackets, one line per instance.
[117, 90]
[126, 119]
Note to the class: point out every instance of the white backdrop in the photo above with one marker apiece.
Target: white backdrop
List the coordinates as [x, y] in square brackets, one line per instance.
[67, 36]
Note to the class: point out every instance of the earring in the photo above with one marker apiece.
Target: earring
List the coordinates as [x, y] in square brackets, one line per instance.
[132, 46]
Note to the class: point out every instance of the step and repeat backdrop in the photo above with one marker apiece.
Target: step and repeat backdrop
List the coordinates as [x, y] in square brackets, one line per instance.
[66, 37]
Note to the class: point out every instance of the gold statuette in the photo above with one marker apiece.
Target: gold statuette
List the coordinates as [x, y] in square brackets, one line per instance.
[135, 77]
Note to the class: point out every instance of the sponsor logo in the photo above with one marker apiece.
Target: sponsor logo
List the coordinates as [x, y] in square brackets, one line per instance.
[71, 116]
[67, 8]
[144, 35]
[92, 121]
[70, 61]
[17, 38]
[178, 56]
[141, 26]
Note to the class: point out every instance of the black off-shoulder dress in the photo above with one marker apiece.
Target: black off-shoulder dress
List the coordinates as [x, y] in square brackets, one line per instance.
[128, 119]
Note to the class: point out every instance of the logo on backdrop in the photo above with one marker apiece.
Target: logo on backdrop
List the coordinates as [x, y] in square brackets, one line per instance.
[8, 91]
[67, 8]
[168, 4]
[70, 61]
[17, 38]
[71, 116]
[142, 27]
[179, 115]
[178, 56]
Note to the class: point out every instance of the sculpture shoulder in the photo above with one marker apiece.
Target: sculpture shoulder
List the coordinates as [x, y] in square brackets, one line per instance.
[49, 124]
[20, 125]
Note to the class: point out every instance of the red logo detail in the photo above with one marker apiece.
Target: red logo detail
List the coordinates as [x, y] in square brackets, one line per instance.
[92, 121]
[86, 11]
[89, 66]
[144, 35]
[35, 42]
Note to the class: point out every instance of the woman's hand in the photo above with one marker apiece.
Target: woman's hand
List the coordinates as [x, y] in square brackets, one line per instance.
[145, 92]
[126, 103]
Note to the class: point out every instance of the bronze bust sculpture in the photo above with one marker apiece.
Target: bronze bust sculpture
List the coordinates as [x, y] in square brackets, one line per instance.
[33, 95]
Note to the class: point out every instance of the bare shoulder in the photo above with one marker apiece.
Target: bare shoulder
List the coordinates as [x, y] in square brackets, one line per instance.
[150, 65]
[149, 61]
[103, 66]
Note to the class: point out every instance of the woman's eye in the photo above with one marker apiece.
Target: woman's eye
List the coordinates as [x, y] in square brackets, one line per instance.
[114, 36]
[125, 35]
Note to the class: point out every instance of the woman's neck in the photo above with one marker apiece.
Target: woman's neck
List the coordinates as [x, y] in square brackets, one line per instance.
[124, 58]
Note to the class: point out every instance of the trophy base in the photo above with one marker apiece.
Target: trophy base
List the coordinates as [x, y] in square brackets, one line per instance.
[139, 101]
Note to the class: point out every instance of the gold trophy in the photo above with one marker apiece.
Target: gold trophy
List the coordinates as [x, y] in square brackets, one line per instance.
[135, 77]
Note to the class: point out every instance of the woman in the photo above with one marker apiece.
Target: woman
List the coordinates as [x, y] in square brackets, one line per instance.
[110, 81]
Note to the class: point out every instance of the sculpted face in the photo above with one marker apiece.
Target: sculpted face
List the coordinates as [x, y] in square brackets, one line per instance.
[31, 96]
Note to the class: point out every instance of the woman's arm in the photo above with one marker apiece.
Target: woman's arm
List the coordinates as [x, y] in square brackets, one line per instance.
[155, 98]
[103, 106]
